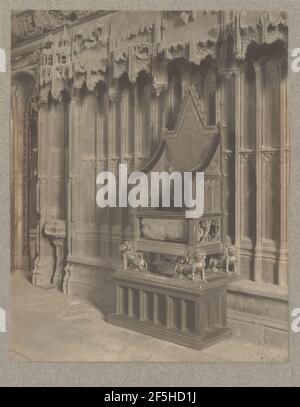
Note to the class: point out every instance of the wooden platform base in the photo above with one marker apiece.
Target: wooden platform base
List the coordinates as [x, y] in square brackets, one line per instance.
[191, 314]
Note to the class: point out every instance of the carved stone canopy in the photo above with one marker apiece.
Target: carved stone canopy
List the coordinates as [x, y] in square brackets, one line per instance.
[191, 145]
[31, 23]
[111, 44]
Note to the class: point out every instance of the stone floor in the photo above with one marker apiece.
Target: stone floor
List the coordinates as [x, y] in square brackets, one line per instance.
[50, 326]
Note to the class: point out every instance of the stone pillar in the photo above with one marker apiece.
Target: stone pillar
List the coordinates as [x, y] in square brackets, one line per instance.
[22, 87]
[137, 127]
[72, 184]
[258, 247]
[44, 262]
[159, 87]
[102, 140]
[113, 94]
[145, 99]
[51, 186]
[114, 152]
[156, 111]
[127, 151]
[284, 177]
[238, 128]
[227, 133]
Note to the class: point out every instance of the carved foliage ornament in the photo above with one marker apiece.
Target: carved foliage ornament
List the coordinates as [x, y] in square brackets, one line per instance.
[29, 23]
[84, 54]
[268, 29]
[129, 42]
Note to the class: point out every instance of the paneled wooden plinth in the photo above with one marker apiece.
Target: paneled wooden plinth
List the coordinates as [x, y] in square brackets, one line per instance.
[188, 313]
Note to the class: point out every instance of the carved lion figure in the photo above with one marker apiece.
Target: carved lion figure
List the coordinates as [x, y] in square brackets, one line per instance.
[193, 263]
[132, 258]
[227, 262]
[230, 259]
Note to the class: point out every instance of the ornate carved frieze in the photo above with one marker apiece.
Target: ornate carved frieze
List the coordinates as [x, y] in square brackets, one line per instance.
[30, 23]
[110, 46]
[28, 61]
[132, 42]
[256, 28]
[135, 42]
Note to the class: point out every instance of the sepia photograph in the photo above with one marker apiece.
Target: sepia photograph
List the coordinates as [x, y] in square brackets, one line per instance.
[149, 167]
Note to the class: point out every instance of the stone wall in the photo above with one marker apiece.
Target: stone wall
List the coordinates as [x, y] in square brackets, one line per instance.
[106, 84]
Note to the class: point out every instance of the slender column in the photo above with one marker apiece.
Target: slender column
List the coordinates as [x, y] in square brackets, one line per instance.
[226, 152]
[22, 88]
[130, 302]
[238, 127]
[137, 127]
[102, 164]
[168, 311]
[113, 153]
[18, 126]
[155, 308]
[44, 262]
[154, 116]
[118, 299]
[258, 248]
[160, 85]
[156, 113]
[51, 187]
[127, 153]
[141, 306]
[72, 180]
[124, 124]
[183, 314]
[224, 309]
[284, 150]
[99, 146]
[113, 94]
[197, 321]
[146, 123]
